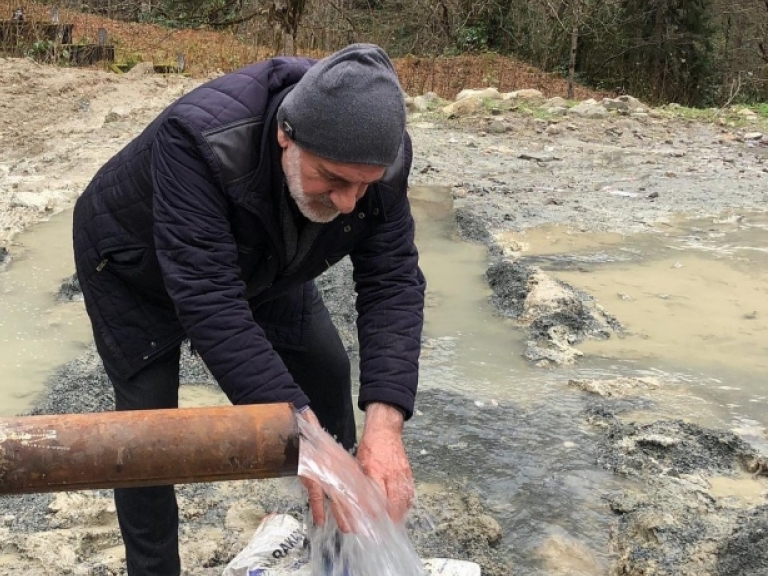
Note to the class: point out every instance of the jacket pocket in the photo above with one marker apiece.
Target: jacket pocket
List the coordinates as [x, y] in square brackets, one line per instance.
[123, 257]
[136, 265]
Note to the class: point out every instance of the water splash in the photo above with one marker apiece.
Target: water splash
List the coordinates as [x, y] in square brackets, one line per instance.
[375, 545]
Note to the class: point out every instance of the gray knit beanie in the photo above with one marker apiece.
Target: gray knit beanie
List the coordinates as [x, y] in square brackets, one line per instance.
[348, 107]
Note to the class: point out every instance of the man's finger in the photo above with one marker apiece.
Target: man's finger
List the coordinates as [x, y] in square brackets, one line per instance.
[399, 499]
[316, 501]
[340, 515]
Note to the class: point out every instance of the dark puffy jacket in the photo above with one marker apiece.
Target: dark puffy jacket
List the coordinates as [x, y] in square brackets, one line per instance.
[179, 236]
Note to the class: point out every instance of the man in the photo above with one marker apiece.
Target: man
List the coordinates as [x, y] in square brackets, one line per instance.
[212, 224]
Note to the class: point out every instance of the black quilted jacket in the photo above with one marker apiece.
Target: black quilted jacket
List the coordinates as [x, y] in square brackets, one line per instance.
[179, 236]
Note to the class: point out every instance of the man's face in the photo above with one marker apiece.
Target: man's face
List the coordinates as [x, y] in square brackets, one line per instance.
[323, 189]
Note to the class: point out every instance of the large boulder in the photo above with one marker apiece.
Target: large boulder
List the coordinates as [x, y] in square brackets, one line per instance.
[589, 109]
[417, 104]
[464, 107]
[481, 94]
[524, 94]
[624, 104]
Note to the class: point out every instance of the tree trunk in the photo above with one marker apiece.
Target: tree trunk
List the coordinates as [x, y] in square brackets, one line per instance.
[288, 46]
[572, 63]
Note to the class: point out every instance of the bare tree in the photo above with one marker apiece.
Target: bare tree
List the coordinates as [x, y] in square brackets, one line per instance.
[572, 16]
[287, 15]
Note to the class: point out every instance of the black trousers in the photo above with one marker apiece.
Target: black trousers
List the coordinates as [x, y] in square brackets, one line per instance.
[148, 517]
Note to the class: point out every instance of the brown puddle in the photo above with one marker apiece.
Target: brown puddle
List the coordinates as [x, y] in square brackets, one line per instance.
[743, 491]
[693, 297]
[692, 310]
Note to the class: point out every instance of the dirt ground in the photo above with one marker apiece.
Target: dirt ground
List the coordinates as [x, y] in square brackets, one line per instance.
[511, 166]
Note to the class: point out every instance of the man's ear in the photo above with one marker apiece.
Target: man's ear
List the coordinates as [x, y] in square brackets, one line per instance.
[282, 138]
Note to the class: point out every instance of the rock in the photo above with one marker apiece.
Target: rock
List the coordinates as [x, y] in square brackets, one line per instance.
[43, 201]
[753, 136]
[497, 127]
[747, 113]
[463, 107]
[431, 97]
[142, 69]
[554, 129]
[555, 351]
[557, 111]
[490, 528]
[625, 103]
[618, 387]
[118, 113]
[556, 315]
[112, 117]
[525, 94]
[70, 290]
[557, 102]
[83, 509]
[8, 519]
[615, 104]
[510, 247]
[417, 104]
[538, 158]
[483, 94]
[588, 109]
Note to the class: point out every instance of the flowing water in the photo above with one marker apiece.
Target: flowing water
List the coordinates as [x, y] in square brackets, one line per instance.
[692, 296]
[694, 301]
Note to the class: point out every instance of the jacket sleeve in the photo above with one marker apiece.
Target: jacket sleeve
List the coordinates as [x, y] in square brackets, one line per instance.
[390, 302]
[198, 257]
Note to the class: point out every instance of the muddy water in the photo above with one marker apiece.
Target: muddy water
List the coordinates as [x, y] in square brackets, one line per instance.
[516, 434]
[37, 334]
[486, 418]
[693, 298]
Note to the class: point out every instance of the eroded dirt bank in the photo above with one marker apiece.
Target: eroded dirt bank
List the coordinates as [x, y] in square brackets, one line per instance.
[512, 166]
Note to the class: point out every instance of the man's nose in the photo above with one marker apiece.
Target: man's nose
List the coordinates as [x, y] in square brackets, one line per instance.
[346, 198]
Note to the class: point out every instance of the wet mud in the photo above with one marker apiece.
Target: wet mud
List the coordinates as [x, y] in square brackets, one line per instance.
[687, 514]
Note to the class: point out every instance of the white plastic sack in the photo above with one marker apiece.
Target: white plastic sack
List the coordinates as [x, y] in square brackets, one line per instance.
[277, 548]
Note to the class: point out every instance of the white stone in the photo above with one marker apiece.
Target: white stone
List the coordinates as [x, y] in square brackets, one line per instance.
[43, 201]
[524, 94]
[557, 102]
[463, 107]
[483, 94]
[589, 109]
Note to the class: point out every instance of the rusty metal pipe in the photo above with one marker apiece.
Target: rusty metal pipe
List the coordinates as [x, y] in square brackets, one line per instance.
[147, 448]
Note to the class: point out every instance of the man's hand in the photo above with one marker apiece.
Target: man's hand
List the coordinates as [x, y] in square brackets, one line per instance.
[314, 489]
[382, 456]
[317, 495]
